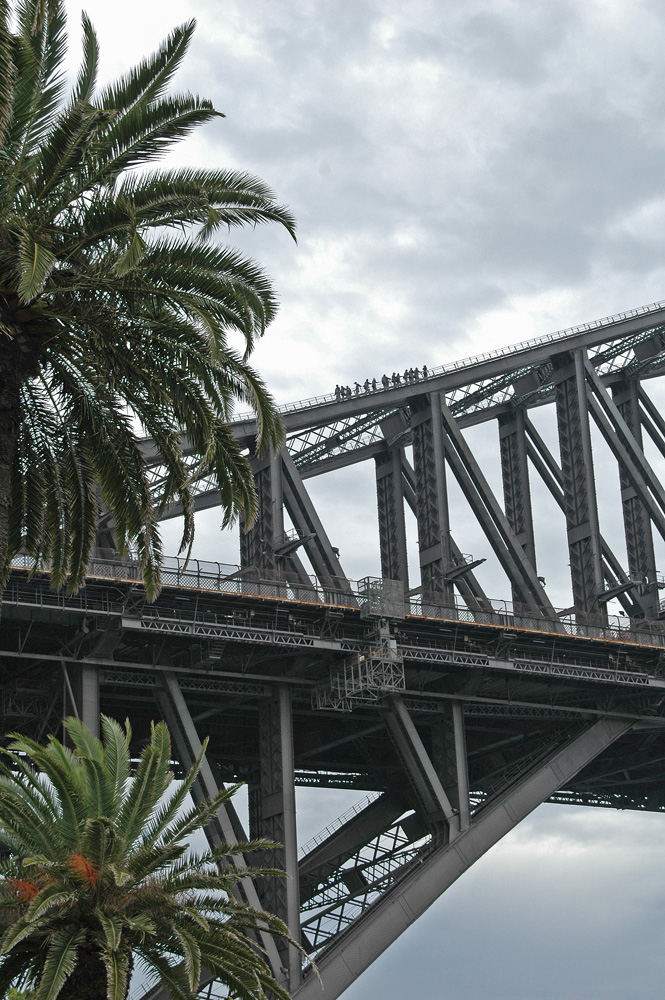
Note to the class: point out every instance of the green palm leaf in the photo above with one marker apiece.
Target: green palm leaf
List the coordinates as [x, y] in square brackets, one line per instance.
[116, 329]
[60, 961]
[123, 886]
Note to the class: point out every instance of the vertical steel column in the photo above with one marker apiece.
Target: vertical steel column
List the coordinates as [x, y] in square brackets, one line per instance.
[89, 701]
[435, 804]
[450, 760]
[82, 700]
[431, 495]
[515, 475]
[637, 523]
[578, 482]
[390, 504]
[462, 766]
[272, 814]
[257, 543]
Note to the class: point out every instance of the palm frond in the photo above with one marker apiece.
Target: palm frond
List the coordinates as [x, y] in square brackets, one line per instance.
[7, 71]
[147, 81]
[121, 324]
[60, 961]
[87, 77]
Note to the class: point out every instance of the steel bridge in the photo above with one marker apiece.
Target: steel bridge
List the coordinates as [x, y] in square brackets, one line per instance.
[451, 714]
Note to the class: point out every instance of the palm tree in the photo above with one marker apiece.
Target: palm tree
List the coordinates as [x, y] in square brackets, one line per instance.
[118, 311]
[99, 875]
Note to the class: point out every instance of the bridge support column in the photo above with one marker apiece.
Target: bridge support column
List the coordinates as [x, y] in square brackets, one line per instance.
[392, 529]
[449, 758]
[272, 815]
[637, 524]
[431, 497]
[515, 475]
[578, 484]
[257, 543]
[82, 694]
[613, 571]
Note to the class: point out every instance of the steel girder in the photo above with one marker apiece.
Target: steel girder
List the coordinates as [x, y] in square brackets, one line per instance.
[578, 483]
[322, 554]
[637, 525]
[515, 476]
[614, 574]
[431, 496]
[467, 585]
[390, 500]
[272, 816]
[390, 506]
[227, 828]
[259, 541]
[627, 450]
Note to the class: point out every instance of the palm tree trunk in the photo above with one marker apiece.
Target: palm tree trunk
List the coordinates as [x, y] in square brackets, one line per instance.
[11, 366]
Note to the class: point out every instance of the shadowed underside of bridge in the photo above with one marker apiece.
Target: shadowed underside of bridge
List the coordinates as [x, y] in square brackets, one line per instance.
[452, 714]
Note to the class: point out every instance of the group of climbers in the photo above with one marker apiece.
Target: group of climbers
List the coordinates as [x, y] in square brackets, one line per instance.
[386, 382]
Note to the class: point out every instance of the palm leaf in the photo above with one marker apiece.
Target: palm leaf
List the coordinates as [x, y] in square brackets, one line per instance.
[60, 962]
[36, 263]
[116, 756]
[87, 77]
[117, 969]
[111, 302]
[7, 70]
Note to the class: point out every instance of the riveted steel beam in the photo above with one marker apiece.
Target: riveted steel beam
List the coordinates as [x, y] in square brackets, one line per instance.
[637, 525]
[420, 771]
[431, 496]
[272, 816]
[390, 505]
[450, 758]
[258, 541]
[468, 586]
[322, 555]
[628, 452]
[550, 472]
[515, 476]
[651, 420]
[578, 482]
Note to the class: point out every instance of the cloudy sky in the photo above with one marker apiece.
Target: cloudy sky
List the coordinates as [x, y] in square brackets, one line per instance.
[465, 174]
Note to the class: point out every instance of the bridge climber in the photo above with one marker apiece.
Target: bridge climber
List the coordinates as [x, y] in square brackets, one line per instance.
[452, 714]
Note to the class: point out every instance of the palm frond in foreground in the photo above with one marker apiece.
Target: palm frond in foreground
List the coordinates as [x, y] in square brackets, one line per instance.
[116, 303]
[99, 875]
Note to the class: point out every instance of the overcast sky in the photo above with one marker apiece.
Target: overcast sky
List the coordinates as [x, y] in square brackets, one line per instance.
[465, 174]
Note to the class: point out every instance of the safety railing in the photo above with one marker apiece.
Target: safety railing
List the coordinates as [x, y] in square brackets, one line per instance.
[202, 576]
[323, 835]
